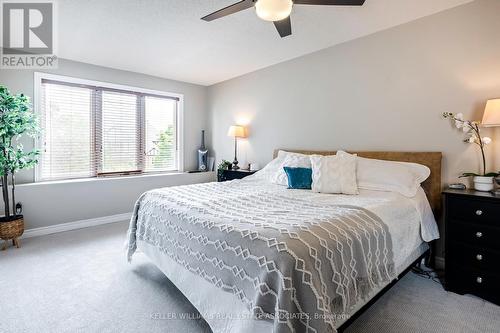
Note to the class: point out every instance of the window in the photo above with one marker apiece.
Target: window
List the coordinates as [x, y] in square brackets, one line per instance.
[120, 132]
[160, 133]
[91, 130]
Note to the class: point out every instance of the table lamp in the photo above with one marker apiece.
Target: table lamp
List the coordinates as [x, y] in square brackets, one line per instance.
[236, 131]
[491, 116]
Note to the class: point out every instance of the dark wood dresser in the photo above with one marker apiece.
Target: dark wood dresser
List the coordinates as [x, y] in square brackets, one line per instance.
[472, 243]
[225, 175]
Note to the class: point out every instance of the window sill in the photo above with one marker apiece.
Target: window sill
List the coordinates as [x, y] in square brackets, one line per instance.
[112, 178]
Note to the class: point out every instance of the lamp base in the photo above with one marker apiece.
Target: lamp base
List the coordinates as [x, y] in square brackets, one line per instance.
[235, 165]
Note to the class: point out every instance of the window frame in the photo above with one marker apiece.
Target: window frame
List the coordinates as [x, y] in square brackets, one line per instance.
[179, 116]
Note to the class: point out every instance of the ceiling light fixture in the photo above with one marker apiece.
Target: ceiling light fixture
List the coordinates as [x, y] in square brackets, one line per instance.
[277, 11]
[273, 10]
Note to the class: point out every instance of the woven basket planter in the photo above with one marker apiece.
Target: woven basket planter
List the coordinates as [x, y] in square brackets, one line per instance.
[11, 230]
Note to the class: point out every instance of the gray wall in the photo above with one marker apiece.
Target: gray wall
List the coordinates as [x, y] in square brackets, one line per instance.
[47, 204]
[54, 203]
[382, 92]
[386, 91]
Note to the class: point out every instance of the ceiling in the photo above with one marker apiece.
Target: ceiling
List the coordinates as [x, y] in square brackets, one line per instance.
[166, 38]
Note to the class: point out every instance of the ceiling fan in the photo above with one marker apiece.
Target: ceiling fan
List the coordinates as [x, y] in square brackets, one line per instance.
[277, 11]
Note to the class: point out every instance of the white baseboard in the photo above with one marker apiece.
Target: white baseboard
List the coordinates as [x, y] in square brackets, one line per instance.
[52, 229]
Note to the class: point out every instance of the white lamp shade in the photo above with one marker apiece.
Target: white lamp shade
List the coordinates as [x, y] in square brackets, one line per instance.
[237, 131]
[273, 10]
[491, 115]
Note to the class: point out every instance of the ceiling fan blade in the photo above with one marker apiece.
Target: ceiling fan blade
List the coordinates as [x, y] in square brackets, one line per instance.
[284, 27]
[330, 2]
[231, 9]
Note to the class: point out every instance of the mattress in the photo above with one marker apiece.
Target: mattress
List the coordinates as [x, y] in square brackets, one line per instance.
[409, 222]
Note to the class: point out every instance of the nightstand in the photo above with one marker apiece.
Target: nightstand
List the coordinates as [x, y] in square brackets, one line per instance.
[472, 243]
[224, 175]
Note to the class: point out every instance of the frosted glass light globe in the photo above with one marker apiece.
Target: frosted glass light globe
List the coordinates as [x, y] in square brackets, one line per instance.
[273, 10]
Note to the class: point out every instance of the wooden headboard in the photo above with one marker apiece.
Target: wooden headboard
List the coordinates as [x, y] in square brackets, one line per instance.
[432, 186]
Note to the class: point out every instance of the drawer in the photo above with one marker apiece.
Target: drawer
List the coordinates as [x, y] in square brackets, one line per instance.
[225, 175]
[474, 234]
[478, 283]
[237, 175]
[475, 258]
[471, 210]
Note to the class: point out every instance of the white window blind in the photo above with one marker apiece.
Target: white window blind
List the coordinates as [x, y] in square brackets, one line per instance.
[90, 131]
[120, 132]
[67, 132]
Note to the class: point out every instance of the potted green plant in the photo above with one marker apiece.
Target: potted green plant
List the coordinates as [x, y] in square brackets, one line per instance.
[16, 119]
[223, 165]
[482, 181]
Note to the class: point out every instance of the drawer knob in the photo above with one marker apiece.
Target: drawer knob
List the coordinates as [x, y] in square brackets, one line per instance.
[479, 212]
[479, 279]
[479, 234]
[479, 257]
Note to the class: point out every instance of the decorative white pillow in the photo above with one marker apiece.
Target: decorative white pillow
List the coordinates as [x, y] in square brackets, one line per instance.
[269, 172]
[272, 169]
[294, 160]
[334, 174]
[390, 176]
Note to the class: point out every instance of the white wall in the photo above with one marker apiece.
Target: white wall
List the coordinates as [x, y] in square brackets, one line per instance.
[53, 203]
[386, 91]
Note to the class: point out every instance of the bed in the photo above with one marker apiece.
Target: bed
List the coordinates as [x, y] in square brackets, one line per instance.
[254, 256]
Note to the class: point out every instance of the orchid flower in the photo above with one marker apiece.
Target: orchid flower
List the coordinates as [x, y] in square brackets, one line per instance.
[486, 140]
[459, 120]
[472, 129]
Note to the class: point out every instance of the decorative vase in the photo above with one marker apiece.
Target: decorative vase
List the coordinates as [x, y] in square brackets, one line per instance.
[482, 183]
[202, 154]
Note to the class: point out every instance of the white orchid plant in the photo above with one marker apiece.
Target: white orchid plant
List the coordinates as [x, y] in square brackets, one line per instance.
[473, 135]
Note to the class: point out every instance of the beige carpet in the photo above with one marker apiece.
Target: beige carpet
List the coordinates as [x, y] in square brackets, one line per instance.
[79, 281]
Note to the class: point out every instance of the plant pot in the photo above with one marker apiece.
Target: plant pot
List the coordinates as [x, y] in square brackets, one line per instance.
[12, 228]
[484, 184]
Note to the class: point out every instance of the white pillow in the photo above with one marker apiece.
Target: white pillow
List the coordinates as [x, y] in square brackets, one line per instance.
[294, 160]
[390, 176]
[271, 170]
[334, 174]
[268, 172]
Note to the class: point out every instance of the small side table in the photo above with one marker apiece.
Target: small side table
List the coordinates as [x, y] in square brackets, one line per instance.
[472, 249]
[225, 175]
